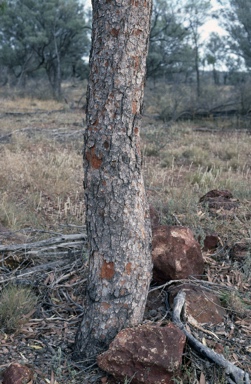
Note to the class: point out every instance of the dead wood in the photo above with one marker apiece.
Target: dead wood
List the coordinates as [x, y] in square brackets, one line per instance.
[236, 375]
[59, 242]
[51, 266]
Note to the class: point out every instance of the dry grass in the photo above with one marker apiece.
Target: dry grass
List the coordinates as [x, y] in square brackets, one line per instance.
[17, 304]
[181, 165]
[41, 175]
[41, 183]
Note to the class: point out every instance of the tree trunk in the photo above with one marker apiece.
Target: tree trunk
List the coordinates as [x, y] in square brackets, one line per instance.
[197, 69]
[57, 85]
[118, 224]
[54, 76]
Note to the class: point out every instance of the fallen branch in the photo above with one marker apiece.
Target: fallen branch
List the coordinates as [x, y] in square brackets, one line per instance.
[236, 375]
[48, 242]
[51, 266]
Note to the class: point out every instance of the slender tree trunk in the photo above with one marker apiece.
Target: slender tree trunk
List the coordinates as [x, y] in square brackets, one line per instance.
[57, 86]
[197, 69]
[54, 76]
[118, 224]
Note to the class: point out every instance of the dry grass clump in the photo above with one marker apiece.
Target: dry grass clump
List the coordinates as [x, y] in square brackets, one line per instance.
[233, 302]
[16, 304]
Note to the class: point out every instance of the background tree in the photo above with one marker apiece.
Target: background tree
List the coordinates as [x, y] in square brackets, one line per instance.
[196, 13]
[168, 51]
[117, 217]
[2, 5]
[215, 55]
[42, 34]
[236, 19]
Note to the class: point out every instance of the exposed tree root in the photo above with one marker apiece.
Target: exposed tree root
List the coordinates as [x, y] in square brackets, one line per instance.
[235, 374]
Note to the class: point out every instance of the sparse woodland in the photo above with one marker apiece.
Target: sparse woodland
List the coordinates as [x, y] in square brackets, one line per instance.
[195, 137]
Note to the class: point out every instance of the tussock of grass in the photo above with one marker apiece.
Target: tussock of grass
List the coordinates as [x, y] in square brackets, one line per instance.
[233, 302]
[15, 305]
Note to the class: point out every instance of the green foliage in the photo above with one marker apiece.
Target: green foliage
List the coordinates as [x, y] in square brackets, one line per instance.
[46, 34]
[236, 19]
[168, 50]
[2, 5]
[215, 54]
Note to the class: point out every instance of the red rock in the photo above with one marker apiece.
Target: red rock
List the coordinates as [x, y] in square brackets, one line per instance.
[17, 374]
[217, 199]
[148, 354]
[217, 193]
[211, 242]
[176, 254]
[240, 250]
[202, 305]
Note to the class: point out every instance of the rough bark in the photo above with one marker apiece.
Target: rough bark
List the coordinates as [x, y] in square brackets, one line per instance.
[118, 223]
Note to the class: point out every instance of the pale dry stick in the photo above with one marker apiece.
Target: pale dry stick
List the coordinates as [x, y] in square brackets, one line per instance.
[64, 277]
[236, 375]
[39, 268]
[168, 283]
[47, 242]
[191, 281]
[192, 321]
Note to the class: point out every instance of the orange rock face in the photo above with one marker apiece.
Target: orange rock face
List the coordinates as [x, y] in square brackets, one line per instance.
[175, 253]
[146, 354]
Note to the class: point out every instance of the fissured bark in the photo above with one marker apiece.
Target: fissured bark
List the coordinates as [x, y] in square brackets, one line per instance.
[118, 224]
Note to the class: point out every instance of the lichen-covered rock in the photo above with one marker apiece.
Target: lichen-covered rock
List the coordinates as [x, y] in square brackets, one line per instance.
[148, 354]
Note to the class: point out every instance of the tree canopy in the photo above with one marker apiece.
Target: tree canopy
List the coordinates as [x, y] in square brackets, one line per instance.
[237, 22]
[52, 37]
[169, 51]
[43, 34]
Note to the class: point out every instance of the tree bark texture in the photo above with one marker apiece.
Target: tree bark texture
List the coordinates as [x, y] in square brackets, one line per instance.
[118, 223]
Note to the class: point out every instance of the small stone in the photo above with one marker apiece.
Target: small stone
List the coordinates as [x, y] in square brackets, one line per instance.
[17, 374]
[4, 351]
[211, 242]
[153, 313]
